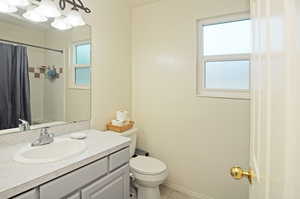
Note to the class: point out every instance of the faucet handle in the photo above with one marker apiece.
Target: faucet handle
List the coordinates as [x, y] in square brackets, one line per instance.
[24, 125]
[45, 138]
[44, 131]
[22, 121]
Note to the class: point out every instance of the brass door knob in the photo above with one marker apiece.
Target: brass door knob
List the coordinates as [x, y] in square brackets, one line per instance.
[238, 173]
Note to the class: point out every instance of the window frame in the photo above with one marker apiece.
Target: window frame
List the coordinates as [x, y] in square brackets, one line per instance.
[202, 91]
[74, 65]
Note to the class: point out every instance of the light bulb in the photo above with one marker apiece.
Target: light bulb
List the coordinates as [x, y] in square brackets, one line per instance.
[32, 15]
[48, 8]
[19, 3]
[7, 8]
[60, 23]
[75, 19]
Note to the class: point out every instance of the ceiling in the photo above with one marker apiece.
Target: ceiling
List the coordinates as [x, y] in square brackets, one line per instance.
[136, 3]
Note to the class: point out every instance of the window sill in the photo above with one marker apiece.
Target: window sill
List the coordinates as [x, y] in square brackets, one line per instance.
[79, 88]
[225, 94]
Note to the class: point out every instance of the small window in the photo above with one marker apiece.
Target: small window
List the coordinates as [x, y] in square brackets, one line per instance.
[83, 54]
[82, 65]
[224, 57]
[82, 76]
[227, 38]
[230, 75]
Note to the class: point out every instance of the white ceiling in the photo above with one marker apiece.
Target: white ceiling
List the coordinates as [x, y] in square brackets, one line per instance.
[135, 3]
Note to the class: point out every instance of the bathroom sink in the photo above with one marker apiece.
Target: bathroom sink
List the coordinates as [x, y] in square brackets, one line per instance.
[60, 149]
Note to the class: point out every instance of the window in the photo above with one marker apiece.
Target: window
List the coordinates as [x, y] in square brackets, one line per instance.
[82, 65]
[224, 57]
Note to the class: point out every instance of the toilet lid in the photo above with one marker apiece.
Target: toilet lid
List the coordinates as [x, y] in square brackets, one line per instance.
[147, 165]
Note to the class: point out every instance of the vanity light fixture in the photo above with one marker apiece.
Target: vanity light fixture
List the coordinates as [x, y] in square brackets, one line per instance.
[48, 8]
[42, 10]
[74, 18]
[5, 7]
[77, 5]
[61, 23]
[32, 15]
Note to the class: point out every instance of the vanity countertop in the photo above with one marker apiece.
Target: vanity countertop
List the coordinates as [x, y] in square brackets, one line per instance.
[16, 177]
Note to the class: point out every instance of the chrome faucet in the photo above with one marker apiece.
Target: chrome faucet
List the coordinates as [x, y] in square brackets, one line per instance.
[45, 138]
[24, 126]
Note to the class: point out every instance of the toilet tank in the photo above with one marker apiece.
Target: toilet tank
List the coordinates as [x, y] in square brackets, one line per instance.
[132, 134]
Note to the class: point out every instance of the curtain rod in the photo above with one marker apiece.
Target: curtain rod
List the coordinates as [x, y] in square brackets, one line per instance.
[34, 46]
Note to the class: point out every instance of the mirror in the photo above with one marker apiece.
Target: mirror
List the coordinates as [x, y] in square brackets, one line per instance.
[45, 74]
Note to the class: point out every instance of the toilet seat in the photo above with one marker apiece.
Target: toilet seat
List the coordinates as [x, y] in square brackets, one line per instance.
[147, 165]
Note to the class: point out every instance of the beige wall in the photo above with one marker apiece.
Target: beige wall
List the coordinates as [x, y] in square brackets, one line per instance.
[55, 92]
[199, 138]
[21, 33]
[78, 100]
[36, 58]
[47, 97]
[111, 40]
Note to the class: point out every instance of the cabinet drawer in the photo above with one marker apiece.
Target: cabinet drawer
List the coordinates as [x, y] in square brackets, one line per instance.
[74, 196]
[33, 194]
[68, 183]
[113, 186]
[118, 159]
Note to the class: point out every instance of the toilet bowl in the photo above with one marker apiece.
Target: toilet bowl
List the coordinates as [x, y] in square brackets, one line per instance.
[149, 173]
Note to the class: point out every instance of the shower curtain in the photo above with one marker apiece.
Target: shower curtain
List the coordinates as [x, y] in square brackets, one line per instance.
[14, 86]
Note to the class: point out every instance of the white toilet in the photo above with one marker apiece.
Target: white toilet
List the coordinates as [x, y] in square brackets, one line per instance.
[148, 172]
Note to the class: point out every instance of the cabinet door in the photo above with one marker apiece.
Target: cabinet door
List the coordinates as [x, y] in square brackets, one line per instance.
[74, 196]
[33, 194]
[71, 182]
[113, 186]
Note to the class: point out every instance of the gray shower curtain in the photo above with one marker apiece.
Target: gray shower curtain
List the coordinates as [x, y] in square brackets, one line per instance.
[14, 86]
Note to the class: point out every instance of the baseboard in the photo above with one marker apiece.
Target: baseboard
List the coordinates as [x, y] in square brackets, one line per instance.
[186, 191]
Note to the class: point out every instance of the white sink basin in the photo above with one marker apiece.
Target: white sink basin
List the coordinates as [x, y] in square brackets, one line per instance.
[60, 149]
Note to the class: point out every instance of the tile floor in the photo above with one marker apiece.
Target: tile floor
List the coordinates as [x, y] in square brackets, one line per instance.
[167, 193]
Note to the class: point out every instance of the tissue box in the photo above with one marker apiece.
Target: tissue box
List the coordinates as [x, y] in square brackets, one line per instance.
[120, 129]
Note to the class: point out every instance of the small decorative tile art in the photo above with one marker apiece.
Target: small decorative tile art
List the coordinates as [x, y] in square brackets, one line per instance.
[37, 75]
[40, 72]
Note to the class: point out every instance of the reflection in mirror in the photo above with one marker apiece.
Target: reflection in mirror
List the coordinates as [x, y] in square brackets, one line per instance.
[44, 75]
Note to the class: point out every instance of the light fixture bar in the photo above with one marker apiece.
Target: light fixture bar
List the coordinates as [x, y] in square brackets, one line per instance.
[77, 4]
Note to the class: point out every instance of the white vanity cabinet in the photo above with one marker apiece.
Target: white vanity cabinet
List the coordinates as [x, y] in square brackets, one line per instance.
[114, 186]
[107, 178]
[33, 194]
[75, 196]
[67, 184]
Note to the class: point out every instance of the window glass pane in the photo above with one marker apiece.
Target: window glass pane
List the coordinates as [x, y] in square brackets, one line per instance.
[82, 76]
[227, 75]
[227, 38]
[83, 54]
